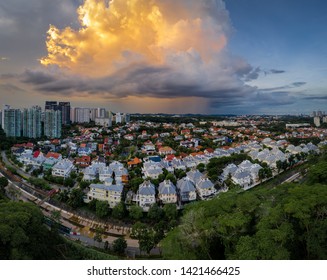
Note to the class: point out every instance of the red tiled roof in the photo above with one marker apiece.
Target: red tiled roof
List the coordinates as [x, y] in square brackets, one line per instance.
[29, 145]
[53, 155]
[170, 157]
[36, 154]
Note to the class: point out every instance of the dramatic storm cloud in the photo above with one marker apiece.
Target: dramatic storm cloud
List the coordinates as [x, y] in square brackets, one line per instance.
[152, 48]
[176, 56]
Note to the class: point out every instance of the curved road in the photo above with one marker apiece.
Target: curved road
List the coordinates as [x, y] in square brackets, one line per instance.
[82, 232]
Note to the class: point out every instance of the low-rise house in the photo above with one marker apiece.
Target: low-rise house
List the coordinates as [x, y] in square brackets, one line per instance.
[112, 193]
[167, 192]
[104, 173]
[186, 190]
[49, 163]
[195, 176]
[167, 165]
[190, 162]
[152, 170]
[136, 161]
[53, 155]
[205, 188]
[62, 168]
[83, 161]
[148, 148]
[242, 178]
[116, 165]
[254, 170]
[229, 170]
[146, 195]
[166, 151]
[178, 164]
[89, 174]
[84, 151]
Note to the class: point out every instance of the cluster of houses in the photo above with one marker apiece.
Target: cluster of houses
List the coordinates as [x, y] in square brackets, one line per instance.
[245, 174]
[195, 185]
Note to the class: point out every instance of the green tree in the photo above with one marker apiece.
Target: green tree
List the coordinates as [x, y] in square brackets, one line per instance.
[101, 209]
[63, 196]
[135, 183]
[69, 182]
[155, 213]
[279, 165]
[119, 211]
[119, 245]
[98, 235]
[318, 173]
[136, 212]
[23, 234]
[3, 183]
[201, 167]
[262, 174]
[171, 177]
[76, 198]
[170, 211]
[84, 184]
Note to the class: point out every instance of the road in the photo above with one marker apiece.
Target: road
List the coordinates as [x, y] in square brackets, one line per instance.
[82, 228]
[24, 174]
[292, 178]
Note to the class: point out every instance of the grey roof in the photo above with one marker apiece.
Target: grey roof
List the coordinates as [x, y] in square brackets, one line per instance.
[242, 175]
[245, 164]
[89, 171]
[230, 168]
[105, 170]
[63, 165]
[194, 175]
[116, 188]
[167, 187]
[116, 165]
[205, 184]
[146, 188]
[185, 185]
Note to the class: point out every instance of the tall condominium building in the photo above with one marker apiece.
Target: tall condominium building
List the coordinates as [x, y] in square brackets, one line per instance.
[64, 107]
[32, 122]
[51, 105]
[82, 115]
[102, 113]
[316, 121]
[127, 118]
[12, 122]
[93, 113]
[5, 107]
[52, 123]
[119, 118]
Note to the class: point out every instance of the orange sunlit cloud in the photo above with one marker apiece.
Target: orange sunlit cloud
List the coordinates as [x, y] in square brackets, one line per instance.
[120, 33]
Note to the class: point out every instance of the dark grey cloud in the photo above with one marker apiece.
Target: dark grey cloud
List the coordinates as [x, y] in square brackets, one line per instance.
[139, 80]
[275, 71]
[37, 77]
[23, 27]
[299, 84]
[290, 86]
[322, 97]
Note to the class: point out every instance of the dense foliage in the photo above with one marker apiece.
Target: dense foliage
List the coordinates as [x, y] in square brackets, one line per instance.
[285, 222]
[23, 235]
[288, 222]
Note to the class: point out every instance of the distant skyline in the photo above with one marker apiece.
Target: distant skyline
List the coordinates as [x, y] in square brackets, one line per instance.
[167, 56]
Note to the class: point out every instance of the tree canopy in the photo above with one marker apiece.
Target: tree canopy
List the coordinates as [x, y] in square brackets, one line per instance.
[287, 222]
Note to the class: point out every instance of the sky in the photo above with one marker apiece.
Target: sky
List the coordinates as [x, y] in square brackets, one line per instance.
[166, 56]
